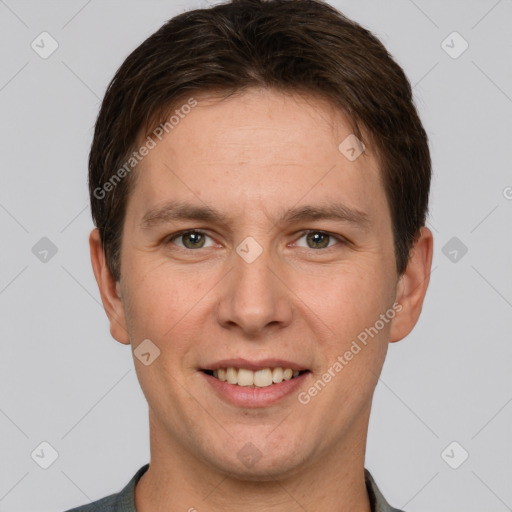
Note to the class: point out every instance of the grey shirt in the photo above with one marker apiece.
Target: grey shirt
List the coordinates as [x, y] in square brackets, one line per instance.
[124, 501]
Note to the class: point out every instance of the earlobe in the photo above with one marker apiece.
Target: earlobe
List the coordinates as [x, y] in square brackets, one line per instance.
[412, 286]
[109, 289]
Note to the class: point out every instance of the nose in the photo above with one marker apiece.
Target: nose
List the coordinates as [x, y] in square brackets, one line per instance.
[254, 297]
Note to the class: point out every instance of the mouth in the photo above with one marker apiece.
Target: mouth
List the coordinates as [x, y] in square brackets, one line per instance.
[248, 378]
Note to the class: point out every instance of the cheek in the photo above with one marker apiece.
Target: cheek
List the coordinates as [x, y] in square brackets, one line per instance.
[161, 301]
[355, 346]
[347, 298]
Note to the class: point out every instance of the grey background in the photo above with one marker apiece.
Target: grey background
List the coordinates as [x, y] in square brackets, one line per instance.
[64, 380]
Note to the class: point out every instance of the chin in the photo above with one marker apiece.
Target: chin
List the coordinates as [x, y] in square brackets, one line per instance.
[249, 463]
[269, 471]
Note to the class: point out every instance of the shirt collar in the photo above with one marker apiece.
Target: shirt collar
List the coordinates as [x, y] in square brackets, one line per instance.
[377, 501]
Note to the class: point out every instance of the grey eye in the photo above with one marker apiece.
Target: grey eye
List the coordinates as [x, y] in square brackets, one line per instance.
[317, 240]
[190, 239]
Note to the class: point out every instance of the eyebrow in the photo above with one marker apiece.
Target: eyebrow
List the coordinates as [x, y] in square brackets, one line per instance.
[176, 210]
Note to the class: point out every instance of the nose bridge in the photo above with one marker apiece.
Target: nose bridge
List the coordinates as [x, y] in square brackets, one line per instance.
[253, 298]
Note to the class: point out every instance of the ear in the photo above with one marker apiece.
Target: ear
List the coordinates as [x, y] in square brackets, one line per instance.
[412, 286]
[109, 290]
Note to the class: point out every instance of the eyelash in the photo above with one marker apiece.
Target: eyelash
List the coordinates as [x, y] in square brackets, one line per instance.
[340, 239]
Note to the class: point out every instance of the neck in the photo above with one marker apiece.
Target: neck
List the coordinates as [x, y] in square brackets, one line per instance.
[175, 480]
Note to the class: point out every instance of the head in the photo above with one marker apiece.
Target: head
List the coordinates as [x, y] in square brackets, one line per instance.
[286, 136]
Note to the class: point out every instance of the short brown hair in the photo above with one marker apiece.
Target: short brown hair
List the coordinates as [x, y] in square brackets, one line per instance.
[290, 45]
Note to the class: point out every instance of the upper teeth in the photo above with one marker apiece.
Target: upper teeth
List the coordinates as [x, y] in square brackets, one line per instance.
[259, 378]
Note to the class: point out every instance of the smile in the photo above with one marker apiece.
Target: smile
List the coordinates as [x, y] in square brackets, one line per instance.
[256, 379]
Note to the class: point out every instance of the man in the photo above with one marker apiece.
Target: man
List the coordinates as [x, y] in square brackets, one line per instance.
[259, 180]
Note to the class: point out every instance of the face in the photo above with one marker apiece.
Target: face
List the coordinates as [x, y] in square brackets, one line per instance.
[253, 249]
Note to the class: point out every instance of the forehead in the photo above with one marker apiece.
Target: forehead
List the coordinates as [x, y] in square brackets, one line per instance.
[258, 150]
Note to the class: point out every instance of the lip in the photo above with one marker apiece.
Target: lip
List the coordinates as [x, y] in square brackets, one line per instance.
[248, 397]
[254, 365]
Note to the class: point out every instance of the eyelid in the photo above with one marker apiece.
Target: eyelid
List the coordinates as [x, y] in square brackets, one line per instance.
[341, 239]
[168, 239]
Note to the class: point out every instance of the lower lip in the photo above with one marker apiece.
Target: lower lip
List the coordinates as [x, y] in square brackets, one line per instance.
[243, 396]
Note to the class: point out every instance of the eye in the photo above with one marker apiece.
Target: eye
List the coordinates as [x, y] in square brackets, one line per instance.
[319, 240]
[192, 239]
